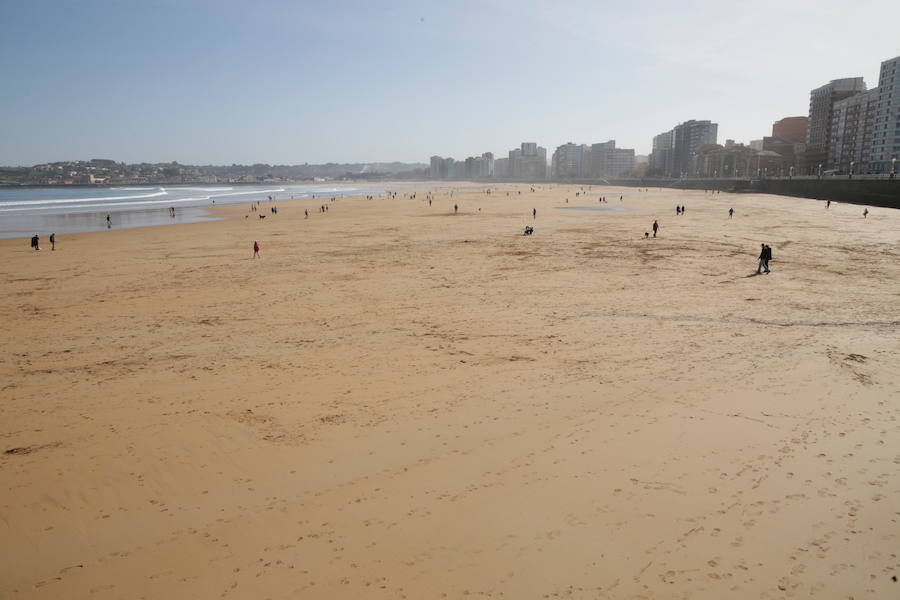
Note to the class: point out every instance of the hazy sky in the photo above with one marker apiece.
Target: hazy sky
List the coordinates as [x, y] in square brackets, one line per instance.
[293, 82]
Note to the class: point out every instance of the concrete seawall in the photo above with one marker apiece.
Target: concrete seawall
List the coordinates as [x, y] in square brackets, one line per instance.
[874, 192]
[882, 192]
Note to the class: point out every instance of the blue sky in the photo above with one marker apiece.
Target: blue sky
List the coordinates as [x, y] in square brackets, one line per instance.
[291, 82]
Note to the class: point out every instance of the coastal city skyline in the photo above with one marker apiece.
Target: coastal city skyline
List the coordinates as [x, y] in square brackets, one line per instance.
[850, 128]
[242, 88]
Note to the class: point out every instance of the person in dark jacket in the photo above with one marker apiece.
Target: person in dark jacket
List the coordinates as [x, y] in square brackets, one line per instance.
[765, 253]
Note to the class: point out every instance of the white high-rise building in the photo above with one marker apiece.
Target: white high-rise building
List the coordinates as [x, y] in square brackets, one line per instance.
[662, 158]
[501, 167]
[852, 127]
[821, 111]
[600, 158]
[488, 168]
[571, 161]
[528, 162]
[886, 133]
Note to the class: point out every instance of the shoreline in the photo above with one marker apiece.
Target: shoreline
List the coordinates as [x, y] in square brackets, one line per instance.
[42, 223]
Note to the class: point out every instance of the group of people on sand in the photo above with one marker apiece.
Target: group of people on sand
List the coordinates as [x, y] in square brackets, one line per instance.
[36, 242]
[764, 257]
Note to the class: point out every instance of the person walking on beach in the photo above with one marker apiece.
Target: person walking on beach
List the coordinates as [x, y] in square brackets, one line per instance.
[305, 213]
[828, 204]
[455, 209]
[677, 209]
[255, 249]
[534, 213]
[730, 213]
[866, 214]
[36, 243]
[108, 222]
[655, 228]
[52, 241]
[764, 254]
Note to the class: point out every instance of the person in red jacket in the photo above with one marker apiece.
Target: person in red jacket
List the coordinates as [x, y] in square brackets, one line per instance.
[255, 249]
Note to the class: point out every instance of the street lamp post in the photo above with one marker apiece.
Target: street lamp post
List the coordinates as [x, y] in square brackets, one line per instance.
[851, 169]
[893, 167]
[791, 176]
[820, 170]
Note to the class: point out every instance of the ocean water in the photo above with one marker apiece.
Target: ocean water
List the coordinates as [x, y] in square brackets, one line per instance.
[28, 211]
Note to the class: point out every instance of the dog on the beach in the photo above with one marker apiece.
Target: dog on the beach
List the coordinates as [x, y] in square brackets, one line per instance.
[528, 230]
[262, 216]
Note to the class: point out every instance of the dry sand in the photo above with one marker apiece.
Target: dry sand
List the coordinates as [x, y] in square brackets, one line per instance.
[396, 402]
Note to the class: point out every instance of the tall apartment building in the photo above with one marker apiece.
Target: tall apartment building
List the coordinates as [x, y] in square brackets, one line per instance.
[501, 168]
[571, 161]
[515, 155]
[600, 158]
[852, 129]
[472, 167]
[661, 161]
[821, 109]
[441, 168]
[437, 166]
[486, 168]
[529, 161]
[580, 161]
[886, 131]
[621, 162]
[609, 161]
[688, 137]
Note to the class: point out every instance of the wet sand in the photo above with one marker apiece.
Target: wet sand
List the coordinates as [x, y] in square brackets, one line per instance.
[400, 402]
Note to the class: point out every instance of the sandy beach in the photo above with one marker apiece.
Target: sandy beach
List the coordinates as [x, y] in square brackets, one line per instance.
[396, 401]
